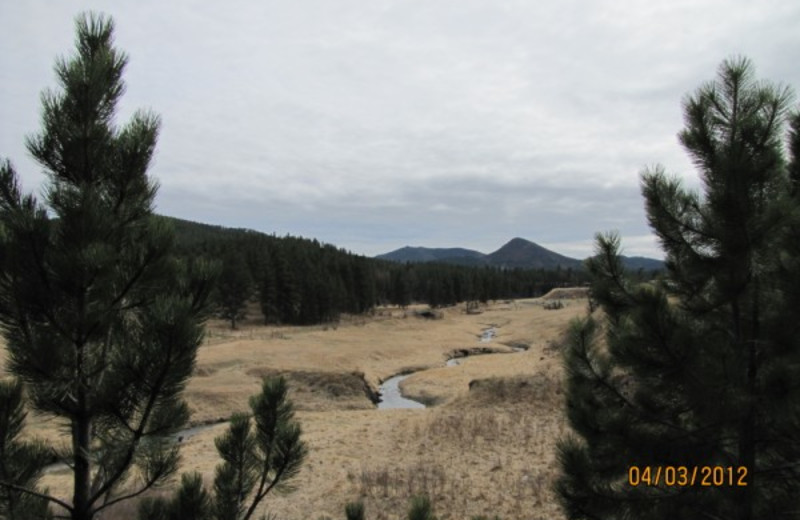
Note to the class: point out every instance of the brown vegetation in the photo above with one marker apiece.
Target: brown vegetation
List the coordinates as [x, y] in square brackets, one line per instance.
[486, 447]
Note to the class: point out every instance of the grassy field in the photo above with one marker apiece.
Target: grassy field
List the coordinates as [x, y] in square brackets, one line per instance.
[483, 448]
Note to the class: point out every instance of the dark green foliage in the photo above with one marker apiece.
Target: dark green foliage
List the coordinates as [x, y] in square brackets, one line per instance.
[236, 477]
[421, 509]
[794, 152]
[233, 289]
[191, 502]
[268, 290]
[354, 511]
[288, 289]
[401, 286]
[260, 455]
[21, 462]
[101, 322]
[701, 368]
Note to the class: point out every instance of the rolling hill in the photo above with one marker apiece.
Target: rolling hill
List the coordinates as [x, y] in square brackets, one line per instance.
[517, 253]
[426, 254]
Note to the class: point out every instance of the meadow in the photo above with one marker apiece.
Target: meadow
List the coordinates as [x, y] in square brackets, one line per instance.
[484, 446]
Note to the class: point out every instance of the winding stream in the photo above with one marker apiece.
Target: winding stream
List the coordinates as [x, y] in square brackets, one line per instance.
[392, 397]
[389, 391]
[184, 435]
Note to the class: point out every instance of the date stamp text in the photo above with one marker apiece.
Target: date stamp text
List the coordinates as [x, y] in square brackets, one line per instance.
[686, 476]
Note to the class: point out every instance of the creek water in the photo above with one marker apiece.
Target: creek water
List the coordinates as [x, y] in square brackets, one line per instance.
[184, 435]
[392, 397]
[181, 436]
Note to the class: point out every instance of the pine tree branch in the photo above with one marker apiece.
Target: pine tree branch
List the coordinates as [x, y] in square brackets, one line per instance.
[148, 484]
[37, 494]
[260, 496]
[711, 516]
[137, 435]
[126, 289]
[639, 411]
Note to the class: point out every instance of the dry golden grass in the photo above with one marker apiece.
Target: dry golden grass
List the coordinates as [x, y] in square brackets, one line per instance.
[485, 450]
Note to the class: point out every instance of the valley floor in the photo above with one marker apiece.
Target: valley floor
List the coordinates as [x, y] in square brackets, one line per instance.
[485, 450]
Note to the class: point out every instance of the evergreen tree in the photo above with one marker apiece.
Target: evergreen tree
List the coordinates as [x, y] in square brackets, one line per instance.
[190, 502]
[794, 150]
[268, 293]
[701, 370]
[101, 323]
[288, 287]
[260, 459]
[234, 287]
[21, 462]
[364, 285]
[259, 456]
[401, 289]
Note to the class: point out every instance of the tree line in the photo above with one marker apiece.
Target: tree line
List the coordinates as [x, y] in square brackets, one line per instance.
[300, 281]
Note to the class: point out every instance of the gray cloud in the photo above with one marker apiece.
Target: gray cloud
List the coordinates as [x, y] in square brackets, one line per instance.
[372, 125]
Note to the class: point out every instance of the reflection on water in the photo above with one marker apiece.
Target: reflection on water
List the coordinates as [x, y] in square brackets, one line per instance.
[391, 397]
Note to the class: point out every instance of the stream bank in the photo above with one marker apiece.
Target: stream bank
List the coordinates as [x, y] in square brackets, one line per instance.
[390, 395]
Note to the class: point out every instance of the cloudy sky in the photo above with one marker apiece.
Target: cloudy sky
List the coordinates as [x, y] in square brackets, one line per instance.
[374, 124]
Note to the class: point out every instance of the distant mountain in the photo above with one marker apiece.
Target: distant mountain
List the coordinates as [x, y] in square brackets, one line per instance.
[517, 253]
[634, 263]
[525, 254]
[426, 254]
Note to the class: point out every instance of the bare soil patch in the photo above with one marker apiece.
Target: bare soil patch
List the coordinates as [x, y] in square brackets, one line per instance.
[567, 293]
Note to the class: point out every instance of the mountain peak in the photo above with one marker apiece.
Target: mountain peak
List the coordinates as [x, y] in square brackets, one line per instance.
[516, 253]
[518, 240]
[522, 253]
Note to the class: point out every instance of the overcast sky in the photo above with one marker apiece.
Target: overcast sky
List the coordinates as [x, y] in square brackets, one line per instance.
[374, 124]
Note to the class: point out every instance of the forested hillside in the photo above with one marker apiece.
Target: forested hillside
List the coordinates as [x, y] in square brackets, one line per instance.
[302, 281]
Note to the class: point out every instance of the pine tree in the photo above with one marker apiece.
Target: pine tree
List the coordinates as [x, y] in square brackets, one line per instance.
[364, 280]
[21, 462]
[259, 456]
[700, 370]
[268, 292]
[288, 287]
[190, 502]
[101, 323]
[234, 287]
[794, 150]
[261, 459]
[401, 289]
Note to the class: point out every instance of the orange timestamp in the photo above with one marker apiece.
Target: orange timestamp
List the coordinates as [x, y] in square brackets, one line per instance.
[685, 476]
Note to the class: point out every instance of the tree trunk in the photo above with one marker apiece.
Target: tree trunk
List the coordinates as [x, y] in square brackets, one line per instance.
[81, 435]
[747, 430]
